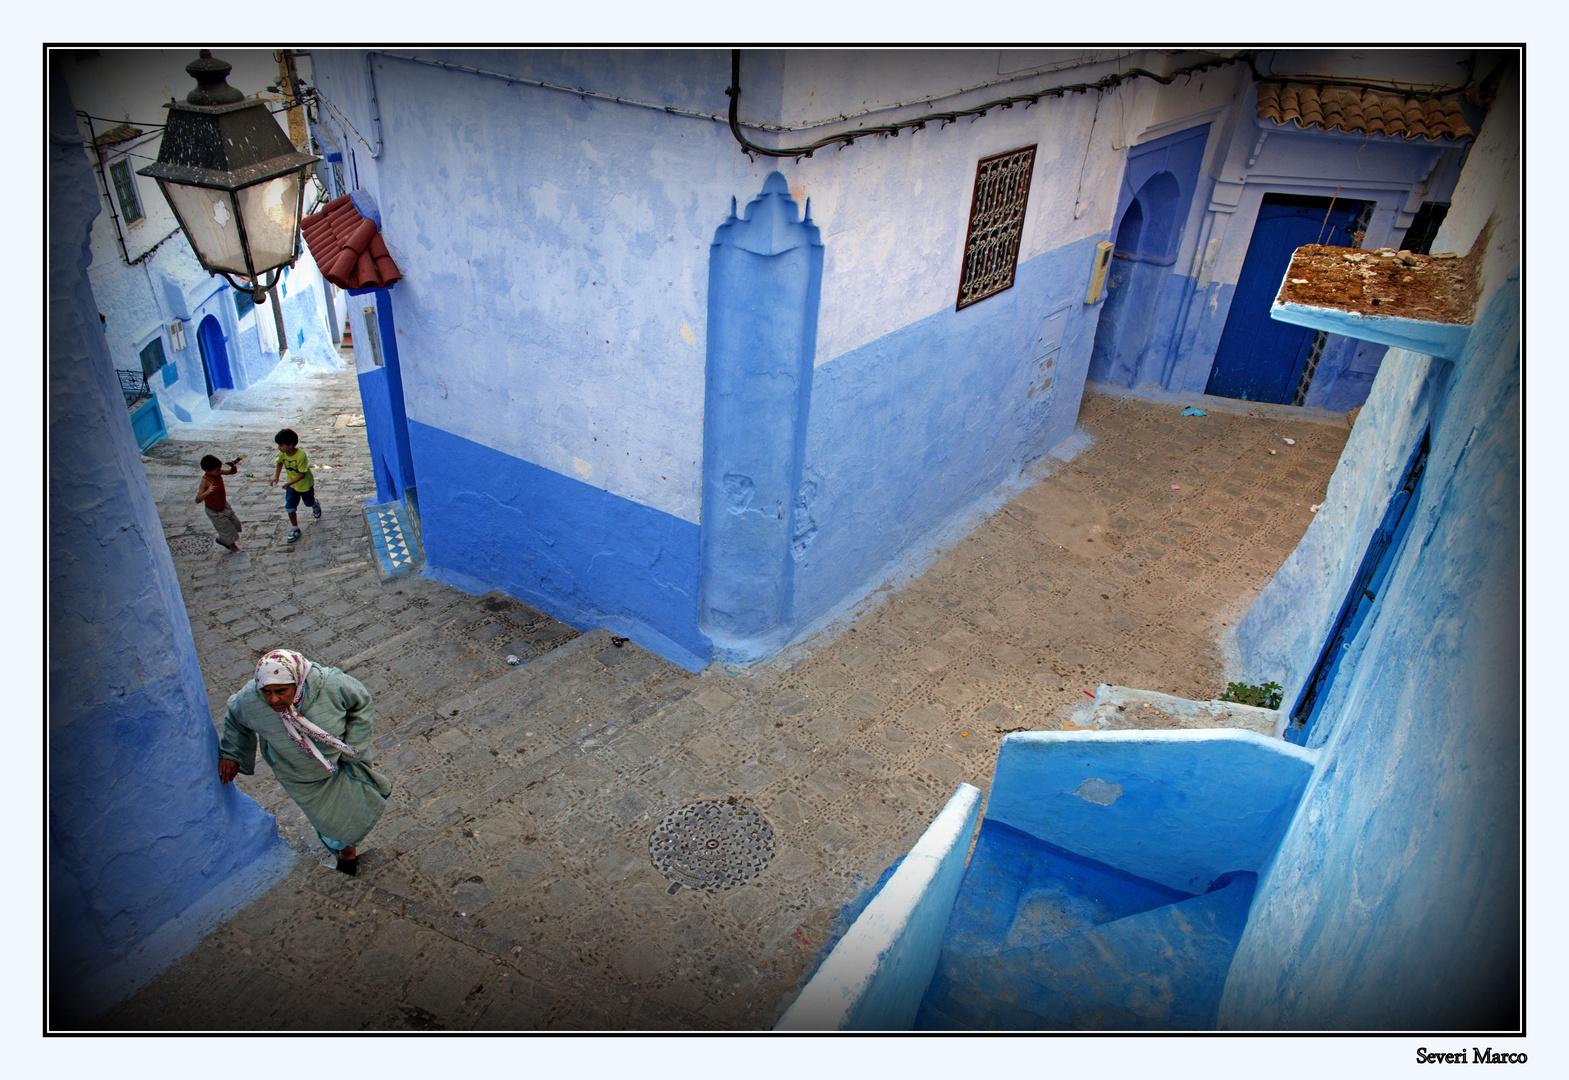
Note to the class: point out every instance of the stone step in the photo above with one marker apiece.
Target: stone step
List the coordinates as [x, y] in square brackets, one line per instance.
[1020, 891]
[1157, 970]
[505, 735]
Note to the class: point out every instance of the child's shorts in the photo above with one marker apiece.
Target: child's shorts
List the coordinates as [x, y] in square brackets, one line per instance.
[227, 522]
[292, 498]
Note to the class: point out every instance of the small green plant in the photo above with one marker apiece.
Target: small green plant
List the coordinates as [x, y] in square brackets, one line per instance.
[1265, 697]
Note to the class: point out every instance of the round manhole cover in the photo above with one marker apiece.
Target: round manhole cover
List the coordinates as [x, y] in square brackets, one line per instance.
[712, 844]
[190, 545]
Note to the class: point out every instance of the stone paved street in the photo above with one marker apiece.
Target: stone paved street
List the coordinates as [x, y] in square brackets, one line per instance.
[510, 884]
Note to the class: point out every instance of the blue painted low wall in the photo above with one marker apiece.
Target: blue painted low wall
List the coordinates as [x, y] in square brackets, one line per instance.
[1177, 807]
[909, 431]
[875, 977]
[573, 550]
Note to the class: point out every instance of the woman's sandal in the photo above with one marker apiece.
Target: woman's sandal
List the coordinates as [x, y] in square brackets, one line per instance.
[349, 866]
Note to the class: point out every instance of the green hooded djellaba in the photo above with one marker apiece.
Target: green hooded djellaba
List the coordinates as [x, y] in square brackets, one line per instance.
[343, 804]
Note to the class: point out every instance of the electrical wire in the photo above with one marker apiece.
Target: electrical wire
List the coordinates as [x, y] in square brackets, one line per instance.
[918, 123]
[1387, 86]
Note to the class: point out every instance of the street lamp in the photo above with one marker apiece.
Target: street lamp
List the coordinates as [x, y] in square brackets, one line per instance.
[233, 180]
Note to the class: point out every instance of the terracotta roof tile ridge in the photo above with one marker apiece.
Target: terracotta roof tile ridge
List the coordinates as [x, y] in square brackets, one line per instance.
[348, 247]
[1362, 110]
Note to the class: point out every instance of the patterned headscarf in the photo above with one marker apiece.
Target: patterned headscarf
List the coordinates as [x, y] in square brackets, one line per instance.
[283, 666]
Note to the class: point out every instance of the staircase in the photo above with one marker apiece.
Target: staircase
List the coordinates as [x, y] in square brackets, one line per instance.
[1042, 939]
[1108, 889]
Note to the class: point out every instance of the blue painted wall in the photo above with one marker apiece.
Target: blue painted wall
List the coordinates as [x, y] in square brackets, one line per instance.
[908, 432]
[139, 827]
[1393, 901]
[381, 394]
[1244, 159]
[586, 556]
[1179, 808]
[556, 311]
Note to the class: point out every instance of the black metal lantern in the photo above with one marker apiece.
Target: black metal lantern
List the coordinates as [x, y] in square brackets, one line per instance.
[233, 180]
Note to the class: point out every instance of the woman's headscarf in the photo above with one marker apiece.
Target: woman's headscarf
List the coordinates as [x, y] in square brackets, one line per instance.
[281, 667]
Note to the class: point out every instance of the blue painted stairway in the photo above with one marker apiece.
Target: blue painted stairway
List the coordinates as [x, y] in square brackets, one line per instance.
[1042, 939]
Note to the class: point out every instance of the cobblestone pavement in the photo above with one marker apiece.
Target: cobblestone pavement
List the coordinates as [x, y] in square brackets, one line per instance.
[510, 883]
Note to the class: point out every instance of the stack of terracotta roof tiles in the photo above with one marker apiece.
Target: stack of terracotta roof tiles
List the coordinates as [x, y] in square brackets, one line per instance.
[347, 247]
[1363, 111]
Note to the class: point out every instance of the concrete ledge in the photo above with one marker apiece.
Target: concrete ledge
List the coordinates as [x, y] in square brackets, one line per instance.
[1118, 707]
[876, 976]
[1445, 340]
[1177, 807]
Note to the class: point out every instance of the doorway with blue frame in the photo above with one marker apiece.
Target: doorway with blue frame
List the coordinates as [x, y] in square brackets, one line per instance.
[215, 356]
[1259, 359]
[1366, 587]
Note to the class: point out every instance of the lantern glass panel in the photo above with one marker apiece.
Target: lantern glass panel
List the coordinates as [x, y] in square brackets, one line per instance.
[211, 225]
[270, 210]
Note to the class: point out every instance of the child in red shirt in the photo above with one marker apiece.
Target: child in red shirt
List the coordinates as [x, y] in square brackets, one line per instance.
[216, 502]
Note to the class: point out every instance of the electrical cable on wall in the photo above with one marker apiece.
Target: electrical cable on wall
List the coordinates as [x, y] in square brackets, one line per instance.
[918, 123]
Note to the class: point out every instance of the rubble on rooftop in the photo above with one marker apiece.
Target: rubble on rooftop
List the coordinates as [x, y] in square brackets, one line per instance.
[1437, 288]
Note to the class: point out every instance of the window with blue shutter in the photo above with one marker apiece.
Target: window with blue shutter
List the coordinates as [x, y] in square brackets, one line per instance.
[152, 357]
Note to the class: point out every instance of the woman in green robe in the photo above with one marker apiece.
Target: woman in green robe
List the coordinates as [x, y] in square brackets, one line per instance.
[314, 726]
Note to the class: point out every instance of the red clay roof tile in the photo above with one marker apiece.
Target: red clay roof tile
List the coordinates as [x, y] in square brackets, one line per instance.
[1368, 112]
[348, 248]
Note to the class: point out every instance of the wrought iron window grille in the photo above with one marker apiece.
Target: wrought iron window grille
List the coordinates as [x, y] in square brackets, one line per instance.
[991, 247]
[133, 384]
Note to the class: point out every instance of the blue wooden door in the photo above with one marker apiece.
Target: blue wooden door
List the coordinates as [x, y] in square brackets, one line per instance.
[215, 356]
[1259, 359]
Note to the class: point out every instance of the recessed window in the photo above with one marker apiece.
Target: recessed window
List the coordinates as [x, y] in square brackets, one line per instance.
[242, 303]
[372, 337]
[1424, 227]
[991, 250]
[125, 191]
[152, 357]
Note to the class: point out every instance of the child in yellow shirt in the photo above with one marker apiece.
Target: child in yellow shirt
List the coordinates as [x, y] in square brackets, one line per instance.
[301, 485]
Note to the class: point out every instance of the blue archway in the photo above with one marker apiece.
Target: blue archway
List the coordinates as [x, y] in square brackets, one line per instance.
[1144, 252]
[1136, 331]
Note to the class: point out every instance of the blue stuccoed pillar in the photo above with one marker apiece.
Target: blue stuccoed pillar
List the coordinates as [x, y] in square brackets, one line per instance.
[764, 280]
[139, 827]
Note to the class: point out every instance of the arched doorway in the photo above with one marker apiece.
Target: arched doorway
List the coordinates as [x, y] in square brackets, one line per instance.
[215, 356]
[1141, 263]
[1136, 328]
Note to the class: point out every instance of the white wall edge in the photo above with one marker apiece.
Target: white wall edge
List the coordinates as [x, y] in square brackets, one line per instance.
[1189, 735]
[830, 1000]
